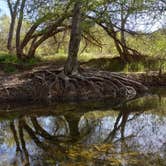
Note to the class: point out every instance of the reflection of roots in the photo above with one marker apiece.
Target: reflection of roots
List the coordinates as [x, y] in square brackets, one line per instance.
[87, 85]
[51, 143]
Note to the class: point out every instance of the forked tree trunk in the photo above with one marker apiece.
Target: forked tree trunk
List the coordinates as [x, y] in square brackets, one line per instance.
[71, 65]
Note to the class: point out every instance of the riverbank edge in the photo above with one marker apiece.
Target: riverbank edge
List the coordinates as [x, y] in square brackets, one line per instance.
[32, 87]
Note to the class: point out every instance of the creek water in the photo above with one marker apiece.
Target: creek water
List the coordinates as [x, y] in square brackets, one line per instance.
[94, 133]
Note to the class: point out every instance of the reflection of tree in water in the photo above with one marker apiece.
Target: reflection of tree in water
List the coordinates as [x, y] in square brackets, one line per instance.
[104, 127]
[49, 143]
[43, 137]
[120, 124]
[136, 126]
[115, 125]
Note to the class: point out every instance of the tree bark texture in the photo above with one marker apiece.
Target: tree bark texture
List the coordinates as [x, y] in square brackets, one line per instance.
[18, 30]
[13, 14]
[75, 38]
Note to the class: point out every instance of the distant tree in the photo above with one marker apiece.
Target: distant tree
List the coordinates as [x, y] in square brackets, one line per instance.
[4, 24]
[45, 19]
[13, 8]
[121, 17]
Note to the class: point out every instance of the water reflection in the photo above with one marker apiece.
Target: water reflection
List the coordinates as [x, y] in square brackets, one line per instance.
[45, 136]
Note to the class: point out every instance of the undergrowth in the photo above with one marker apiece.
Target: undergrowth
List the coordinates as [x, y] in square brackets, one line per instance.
[11, 64]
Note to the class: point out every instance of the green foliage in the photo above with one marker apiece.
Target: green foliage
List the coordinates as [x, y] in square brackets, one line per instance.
[13, 59]
[110, 64]
[10, 69]
[152, 44]
[12, 64]
[4, 24]
[30, 62]
[6, 58]
[94, 60]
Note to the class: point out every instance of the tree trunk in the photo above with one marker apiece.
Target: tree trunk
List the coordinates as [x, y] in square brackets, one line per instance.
[125, 52]
[13, 14]
[59, 43]
[18, 31]
[10, 35]
[71, 65]
[123, 21]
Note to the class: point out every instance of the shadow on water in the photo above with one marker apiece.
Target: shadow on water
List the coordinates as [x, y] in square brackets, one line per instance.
[130, 133]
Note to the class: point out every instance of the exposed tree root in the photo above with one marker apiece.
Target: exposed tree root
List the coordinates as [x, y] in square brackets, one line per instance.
[55, 85]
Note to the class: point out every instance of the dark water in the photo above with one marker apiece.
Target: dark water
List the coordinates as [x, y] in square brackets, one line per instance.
[106, 133]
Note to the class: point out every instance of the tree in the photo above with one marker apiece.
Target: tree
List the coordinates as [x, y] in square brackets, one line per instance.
[45, 19]
[71, 65]
[4, 24]
[45, 22]
[121, 17]
[13, 13]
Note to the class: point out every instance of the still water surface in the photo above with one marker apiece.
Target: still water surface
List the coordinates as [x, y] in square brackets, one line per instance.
[120, 134]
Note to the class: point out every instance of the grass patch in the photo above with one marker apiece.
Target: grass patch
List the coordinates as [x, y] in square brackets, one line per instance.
[10, 63]
[117, 65]
[10, 69]
[145, 66]
[84, 57]
[52, 58]
[6, 58]
[110, 64]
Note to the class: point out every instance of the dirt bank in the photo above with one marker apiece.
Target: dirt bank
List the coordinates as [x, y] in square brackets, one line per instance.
[46, 83]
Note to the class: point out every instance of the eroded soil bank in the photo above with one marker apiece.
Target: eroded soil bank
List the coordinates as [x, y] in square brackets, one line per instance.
[46, 83]
[150, 79]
